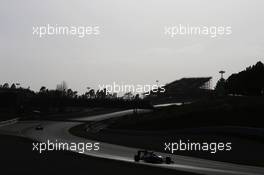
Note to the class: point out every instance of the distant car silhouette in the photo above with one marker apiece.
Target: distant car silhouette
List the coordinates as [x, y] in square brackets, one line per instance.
[39, 128]
[151, 157]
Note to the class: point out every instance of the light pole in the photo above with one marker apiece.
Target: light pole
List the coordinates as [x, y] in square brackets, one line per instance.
[222, 73]
[157, 81]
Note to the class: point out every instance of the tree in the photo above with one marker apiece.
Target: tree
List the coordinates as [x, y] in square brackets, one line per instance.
[128, 96]
[220, 87]
[75, 94]
[90, 93]
[6, 85]
[42, 89]
[101, 93]
[13, 86]
[247, 82]
[69, 93]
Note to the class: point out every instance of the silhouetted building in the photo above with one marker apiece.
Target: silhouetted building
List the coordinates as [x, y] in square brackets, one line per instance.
[185, 89]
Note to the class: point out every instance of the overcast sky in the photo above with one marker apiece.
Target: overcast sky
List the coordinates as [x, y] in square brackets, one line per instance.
[132, 47]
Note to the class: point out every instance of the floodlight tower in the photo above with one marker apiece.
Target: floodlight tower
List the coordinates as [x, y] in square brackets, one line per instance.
[157, 81]
[222, 73]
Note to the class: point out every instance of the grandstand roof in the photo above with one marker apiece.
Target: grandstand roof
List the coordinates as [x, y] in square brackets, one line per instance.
[188, 83]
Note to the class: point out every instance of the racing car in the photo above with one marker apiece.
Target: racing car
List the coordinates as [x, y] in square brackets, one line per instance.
[39, 128]
[151, 157]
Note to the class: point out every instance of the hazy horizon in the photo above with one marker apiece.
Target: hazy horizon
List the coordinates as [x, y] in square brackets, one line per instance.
[131, 47]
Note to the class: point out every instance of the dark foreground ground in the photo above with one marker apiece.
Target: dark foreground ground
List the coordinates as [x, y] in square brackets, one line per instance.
[17, 157]
[230, 119]
[245, 151]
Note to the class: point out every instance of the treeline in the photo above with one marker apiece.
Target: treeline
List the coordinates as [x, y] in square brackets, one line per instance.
[60, 99]
[247, 82]
[21, 100]
[14, 100]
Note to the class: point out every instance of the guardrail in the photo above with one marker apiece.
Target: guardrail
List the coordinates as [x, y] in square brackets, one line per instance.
[8, 122]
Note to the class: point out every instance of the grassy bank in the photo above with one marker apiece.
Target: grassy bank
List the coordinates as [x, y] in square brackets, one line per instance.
[231, 111]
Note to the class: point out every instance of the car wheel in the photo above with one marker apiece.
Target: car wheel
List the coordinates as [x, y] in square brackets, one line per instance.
[136, 158]
[168, 160]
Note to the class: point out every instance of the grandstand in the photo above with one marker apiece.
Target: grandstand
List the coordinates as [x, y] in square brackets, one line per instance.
[185, 89]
